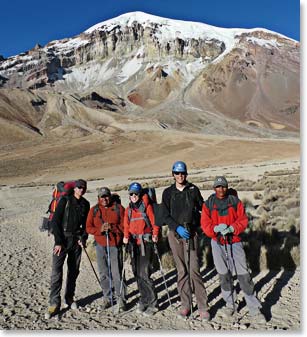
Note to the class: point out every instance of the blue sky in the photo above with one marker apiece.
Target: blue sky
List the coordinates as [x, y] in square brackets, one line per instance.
[23, 23]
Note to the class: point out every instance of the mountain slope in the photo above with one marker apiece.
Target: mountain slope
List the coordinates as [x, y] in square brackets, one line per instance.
[142, 71]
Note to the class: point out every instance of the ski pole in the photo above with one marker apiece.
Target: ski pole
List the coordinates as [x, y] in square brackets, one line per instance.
[109, 270]
[91, 265]
[162, 272]
[229, 273]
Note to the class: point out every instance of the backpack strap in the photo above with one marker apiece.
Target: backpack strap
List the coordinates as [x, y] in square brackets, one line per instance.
[210, 202]
[66, 214]
[97, 209]
[117, 210]
[232, 201]
[142, 210]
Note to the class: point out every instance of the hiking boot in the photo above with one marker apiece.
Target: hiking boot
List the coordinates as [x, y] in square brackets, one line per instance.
[120, 305]
[256, 315]
[140, 308]
[183, 313]
[105, 303]
[204, 315]
[51, 311]
[228, 311]
[70, 302]
[150, 311]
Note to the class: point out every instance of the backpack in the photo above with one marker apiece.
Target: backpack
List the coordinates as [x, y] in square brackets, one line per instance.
[150, 193]
[61, 189]
[115, 198]
[233, 201]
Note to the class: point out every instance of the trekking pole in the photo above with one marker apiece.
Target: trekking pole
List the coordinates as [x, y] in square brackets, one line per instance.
[187, 243]
[229, 273]
[125, 259]
[233, 259]
[162, 272]
[91, 265]
[109, 270]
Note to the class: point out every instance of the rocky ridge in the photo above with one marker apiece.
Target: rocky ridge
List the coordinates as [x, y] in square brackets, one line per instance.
[166, 73]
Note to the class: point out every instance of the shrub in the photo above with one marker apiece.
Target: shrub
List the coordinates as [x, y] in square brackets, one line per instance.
[258, 196]
[167, 261]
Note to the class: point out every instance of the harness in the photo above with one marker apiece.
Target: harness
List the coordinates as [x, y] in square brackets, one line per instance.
[142, 237]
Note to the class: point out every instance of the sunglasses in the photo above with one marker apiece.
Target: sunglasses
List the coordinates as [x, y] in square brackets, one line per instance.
[178, 173]
[81, 187]
[104, 196]
[136, 194]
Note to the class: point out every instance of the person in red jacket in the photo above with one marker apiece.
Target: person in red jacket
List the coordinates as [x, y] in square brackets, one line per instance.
[223, 219]
[141, 231]
[105, 221]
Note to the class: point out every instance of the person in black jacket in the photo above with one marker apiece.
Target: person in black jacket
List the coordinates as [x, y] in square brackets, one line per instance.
[68, 227]
[182, 203]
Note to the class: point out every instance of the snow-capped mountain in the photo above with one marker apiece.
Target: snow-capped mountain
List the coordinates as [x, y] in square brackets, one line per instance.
[181, 74]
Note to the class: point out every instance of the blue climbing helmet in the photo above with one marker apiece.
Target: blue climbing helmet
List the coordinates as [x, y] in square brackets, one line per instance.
[135, 187]
[179, 166]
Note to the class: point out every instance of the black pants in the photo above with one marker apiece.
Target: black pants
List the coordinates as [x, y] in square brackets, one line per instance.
[141, 266]
[73, 253]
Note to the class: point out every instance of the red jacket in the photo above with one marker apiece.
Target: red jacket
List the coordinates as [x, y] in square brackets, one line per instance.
[236, 218]
[110, 215]
[137, 224]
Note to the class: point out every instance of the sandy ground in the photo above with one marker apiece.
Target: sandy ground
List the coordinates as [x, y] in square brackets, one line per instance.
[26, 267]
[133, 154]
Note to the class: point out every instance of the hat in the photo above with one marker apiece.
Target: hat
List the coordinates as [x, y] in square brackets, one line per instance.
[104, 191]
[81, 183]
[220, 181]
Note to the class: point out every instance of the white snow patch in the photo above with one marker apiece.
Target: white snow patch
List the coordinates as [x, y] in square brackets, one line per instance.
[132, 66]
[84, 77]
[265, 43]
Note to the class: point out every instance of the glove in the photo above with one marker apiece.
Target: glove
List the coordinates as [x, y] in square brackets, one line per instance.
[219, 228]
[105, 227]
[155, 238]
[125, 241]
[184, 233]
[228, 230]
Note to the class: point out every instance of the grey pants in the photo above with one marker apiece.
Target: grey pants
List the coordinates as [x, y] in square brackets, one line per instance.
[73, 254]
[116, 268]
[236, 263]
[180, 253]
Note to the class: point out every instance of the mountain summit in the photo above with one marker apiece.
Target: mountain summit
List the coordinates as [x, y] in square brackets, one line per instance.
[138, 69]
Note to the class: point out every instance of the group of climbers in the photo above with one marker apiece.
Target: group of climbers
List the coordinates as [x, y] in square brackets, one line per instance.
[222, 218]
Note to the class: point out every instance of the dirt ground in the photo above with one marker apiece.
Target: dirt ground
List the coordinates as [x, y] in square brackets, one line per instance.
[26, 259]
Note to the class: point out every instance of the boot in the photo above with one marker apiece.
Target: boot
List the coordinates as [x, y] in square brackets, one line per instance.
[51, 311]
[120, 305]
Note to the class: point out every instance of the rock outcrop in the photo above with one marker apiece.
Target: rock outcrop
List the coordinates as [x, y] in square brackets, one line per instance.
[178, 74]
